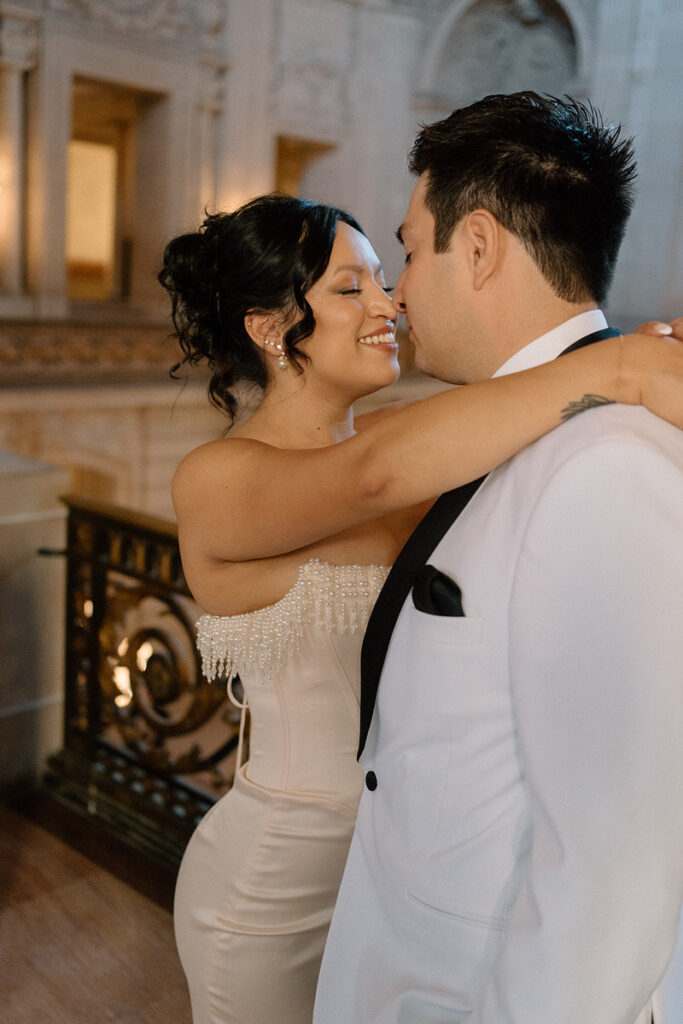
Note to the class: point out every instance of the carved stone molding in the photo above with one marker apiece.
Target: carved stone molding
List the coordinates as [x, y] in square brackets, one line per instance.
[42, 353]
[504, 46]
[313, 61]
[167, 19]
[18, 38]
[212, 89]
[312, 92]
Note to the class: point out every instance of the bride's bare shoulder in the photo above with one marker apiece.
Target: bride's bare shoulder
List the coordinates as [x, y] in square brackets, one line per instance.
[213, 463]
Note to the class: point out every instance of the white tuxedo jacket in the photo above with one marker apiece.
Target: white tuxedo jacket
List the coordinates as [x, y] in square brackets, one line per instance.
[520, 860]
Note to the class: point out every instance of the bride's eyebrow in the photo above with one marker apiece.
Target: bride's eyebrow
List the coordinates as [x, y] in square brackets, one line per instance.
[357, 268]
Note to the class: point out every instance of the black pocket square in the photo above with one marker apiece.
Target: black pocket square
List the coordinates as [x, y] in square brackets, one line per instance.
[435, 593]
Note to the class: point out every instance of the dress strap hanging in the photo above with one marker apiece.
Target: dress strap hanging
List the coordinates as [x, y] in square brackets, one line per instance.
[244, 710]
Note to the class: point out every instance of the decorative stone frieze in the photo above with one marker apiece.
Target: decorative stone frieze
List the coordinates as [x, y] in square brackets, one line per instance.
[212, 89]
[18, 38]
[169, 17]
[313, 63]
[164, 20]
[49, 353]
[311, 92]
[500, 46]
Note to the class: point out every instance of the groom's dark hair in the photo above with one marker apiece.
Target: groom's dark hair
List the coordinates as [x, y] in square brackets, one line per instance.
[549, 170]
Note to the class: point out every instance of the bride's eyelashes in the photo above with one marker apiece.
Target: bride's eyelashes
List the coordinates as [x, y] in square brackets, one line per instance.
[356, 291]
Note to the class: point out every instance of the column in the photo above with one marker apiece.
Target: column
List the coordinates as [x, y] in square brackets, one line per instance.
[18, 48]
[212, 72]
[11, 190]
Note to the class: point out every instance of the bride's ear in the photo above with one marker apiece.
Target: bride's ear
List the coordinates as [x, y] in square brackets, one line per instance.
[264, 330]
[483, 238]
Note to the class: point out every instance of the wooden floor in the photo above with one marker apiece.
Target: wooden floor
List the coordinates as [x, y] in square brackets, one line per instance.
[79, 945]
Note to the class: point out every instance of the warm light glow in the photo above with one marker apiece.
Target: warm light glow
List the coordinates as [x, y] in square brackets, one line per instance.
[122, 649]
[88, 609]
[8, 217]
[91, 219]
[5, 174]
[234, 198]
[122, 681]
[145, 652]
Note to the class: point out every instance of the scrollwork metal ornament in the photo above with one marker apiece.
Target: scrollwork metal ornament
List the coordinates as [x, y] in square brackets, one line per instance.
[149, 743]
[153, 694]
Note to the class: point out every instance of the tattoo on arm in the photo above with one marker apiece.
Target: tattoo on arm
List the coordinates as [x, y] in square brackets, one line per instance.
[587, 402]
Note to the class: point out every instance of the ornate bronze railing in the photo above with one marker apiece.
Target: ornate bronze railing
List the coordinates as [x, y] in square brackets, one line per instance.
[149, 743]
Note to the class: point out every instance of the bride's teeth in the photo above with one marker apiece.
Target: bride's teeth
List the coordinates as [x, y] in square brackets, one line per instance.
[378, 339]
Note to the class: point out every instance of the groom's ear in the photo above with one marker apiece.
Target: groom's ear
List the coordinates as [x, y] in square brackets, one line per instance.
[484, 240]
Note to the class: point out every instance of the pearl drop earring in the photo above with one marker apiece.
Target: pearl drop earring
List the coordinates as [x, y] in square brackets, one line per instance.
[282, 361]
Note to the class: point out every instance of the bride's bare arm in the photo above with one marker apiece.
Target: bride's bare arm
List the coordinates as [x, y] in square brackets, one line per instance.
[241, 499]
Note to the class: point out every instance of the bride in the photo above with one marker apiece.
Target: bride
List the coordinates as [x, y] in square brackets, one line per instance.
[287, 531]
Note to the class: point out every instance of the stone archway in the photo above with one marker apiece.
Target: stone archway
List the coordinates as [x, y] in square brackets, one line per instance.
[485, 46]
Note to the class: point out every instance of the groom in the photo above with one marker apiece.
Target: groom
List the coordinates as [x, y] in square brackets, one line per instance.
[518, 857]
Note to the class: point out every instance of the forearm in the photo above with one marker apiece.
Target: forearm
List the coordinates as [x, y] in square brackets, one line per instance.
[264, 501]
[459, 435]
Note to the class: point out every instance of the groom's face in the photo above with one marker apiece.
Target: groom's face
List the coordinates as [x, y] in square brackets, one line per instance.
[434, 291]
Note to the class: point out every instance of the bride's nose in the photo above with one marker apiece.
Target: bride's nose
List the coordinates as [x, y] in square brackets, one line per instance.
[382, 305]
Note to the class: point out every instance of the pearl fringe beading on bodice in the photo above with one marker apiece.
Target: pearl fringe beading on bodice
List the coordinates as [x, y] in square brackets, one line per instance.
[336, 598]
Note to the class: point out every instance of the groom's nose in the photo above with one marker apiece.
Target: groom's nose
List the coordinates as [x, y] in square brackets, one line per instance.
[397, 297]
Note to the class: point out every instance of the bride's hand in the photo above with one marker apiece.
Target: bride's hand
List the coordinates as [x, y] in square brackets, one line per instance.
[659, 367]
[659, 329]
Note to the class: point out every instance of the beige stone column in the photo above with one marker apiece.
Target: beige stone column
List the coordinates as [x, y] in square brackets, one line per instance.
[212, 73]
[11, 198]
[17, 55]
[213, 67]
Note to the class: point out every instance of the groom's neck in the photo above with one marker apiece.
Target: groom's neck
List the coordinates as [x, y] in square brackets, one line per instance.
[518, 315]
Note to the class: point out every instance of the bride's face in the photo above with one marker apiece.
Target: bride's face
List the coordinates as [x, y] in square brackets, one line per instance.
[353, 349]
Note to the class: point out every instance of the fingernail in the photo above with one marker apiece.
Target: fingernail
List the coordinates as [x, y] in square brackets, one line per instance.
[664, 329]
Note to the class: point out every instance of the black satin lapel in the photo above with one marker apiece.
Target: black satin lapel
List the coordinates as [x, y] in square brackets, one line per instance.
[606, 332]
[414, 554]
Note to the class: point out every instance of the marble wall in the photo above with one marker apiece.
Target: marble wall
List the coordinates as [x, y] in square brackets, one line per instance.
[219, 84]
[363, 75]
[31, 614]
[217, 88]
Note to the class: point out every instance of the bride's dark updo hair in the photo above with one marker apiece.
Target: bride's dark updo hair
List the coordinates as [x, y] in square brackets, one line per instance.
[262, 258]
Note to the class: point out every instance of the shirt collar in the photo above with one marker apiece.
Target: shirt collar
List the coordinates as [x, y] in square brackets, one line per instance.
[549, 345]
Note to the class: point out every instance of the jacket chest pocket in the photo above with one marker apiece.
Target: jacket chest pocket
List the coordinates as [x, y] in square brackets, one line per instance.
[450, 669]
[464, 769]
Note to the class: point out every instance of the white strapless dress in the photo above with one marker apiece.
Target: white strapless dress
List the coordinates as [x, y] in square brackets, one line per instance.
[259, 879]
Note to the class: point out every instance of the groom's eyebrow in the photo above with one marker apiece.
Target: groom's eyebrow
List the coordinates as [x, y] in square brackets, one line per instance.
[399, 234]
